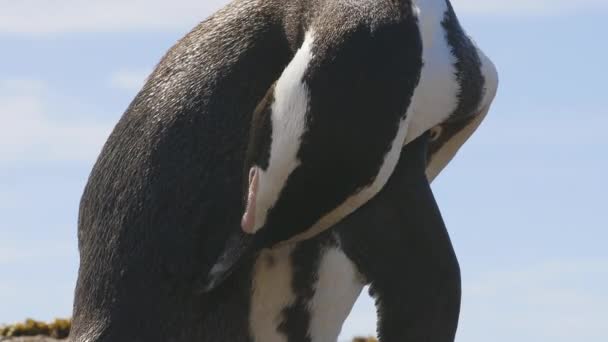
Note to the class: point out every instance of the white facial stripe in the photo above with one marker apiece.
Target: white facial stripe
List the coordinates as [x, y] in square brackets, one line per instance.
[291, 100]
[436, 96]
[271, 293]
[337, 288]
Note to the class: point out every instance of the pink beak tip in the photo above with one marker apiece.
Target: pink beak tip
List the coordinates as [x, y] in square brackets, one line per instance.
[248, 220]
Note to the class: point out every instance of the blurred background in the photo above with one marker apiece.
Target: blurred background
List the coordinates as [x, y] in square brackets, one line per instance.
[525, 200]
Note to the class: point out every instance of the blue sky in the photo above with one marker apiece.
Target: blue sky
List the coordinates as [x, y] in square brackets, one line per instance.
[524, 201]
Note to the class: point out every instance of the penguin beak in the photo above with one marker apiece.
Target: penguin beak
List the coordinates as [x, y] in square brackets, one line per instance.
[248, 220]
[240, 247]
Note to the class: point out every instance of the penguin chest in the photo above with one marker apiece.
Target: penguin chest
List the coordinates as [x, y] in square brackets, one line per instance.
[303, 290]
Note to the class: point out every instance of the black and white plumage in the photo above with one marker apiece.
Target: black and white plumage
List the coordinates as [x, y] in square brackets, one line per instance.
[337, 121]
[397, 242]
[164, 205]
[394, 73]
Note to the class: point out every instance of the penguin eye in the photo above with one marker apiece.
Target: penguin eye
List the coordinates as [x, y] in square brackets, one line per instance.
[436, 132]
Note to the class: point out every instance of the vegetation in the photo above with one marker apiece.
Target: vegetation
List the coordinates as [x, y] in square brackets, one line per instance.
[59, 329]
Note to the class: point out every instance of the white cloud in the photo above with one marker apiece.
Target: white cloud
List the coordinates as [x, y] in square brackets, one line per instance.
[130, 80]
[54, 16]
[29, 132]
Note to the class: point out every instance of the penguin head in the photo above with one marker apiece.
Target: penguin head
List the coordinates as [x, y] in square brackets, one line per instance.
[324, 139]
[303, 176]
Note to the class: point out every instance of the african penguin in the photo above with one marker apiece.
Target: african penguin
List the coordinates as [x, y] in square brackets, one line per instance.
[334, 121]
[167, 200]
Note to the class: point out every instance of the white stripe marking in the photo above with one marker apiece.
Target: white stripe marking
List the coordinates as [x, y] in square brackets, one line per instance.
[272, 292]
[291, 99]
[337, 289]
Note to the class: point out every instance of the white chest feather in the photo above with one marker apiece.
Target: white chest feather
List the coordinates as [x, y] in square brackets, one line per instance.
[271, 293]
[337, 285]
[337, 288]
[436, 96]
[288, 124]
